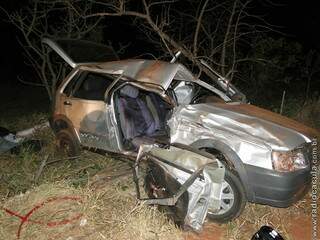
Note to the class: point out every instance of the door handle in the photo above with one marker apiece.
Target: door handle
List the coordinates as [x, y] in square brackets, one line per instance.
[67, 103]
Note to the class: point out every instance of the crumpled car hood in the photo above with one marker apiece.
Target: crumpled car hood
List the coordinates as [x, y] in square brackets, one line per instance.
[248, 122]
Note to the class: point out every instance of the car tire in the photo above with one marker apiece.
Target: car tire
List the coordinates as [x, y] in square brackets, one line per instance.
[234, 199]
[67, 143]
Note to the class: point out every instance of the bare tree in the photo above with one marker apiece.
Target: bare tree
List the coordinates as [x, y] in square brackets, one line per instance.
[56, 18]
[210, 30]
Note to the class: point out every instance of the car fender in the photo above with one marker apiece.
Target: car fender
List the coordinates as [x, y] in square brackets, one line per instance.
[233, 157]
[60, 121]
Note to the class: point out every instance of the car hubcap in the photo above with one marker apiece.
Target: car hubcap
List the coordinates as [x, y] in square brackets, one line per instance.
[227, 199]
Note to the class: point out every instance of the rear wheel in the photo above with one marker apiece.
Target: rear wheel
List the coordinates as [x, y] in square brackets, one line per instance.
[67, 144]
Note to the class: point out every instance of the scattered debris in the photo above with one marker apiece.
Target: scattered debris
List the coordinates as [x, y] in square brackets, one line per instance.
[10, 140]
[267, 233]
[184, 179]
[42, 165]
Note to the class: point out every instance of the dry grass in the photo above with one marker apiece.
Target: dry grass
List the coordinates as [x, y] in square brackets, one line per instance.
[110, 213]
[19, 171]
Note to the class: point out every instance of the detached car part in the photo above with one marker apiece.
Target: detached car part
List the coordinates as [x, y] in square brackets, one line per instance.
[10, 140]
[267, 233]
[184, 181]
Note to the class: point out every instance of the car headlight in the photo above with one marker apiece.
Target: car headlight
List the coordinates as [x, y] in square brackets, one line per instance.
[289, 161]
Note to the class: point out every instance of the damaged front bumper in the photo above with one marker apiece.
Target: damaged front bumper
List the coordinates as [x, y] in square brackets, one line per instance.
[186, 180]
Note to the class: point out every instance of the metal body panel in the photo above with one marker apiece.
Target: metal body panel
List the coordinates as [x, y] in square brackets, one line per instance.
[276, 119]
[88, 117]
[214, 90]
[59, 51]
[253, 138]
[103, 58]
[85, 114]
[151, 75]
[186, 165]
[77, 52]
[89, 120]
[91, 123]
[149, 71]
[159, 73]
[113, 129]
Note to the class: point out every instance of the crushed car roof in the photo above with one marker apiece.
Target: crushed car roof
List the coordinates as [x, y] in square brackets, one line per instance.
[150, 71]
[83, 53]
[77, 53]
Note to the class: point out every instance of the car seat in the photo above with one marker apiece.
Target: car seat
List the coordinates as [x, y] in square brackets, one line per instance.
[136, 121]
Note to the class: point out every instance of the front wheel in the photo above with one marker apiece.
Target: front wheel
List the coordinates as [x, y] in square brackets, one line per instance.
[160, 184]
[233, 199]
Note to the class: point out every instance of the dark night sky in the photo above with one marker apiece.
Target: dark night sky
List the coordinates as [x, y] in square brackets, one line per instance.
[299, 20]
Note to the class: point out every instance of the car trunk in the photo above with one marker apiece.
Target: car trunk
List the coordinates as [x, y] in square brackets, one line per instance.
[79, 52]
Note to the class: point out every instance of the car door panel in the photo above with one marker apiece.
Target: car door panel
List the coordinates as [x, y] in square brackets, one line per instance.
[88, 114]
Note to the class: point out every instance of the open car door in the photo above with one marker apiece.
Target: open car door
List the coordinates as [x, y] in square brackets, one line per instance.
[79, 52]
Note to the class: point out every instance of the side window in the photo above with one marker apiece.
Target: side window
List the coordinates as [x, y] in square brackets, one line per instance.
[91, 86]
[68, 89]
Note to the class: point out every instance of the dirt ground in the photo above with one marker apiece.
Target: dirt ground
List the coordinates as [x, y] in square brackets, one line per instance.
[293, 223]
[299, 228]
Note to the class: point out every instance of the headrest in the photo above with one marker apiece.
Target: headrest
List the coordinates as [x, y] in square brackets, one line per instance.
[86, 85]
[129, 91]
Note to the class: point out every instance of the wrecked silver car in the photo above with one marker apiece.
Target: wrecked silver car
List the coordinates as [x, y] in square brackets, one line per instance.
[207, 154]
